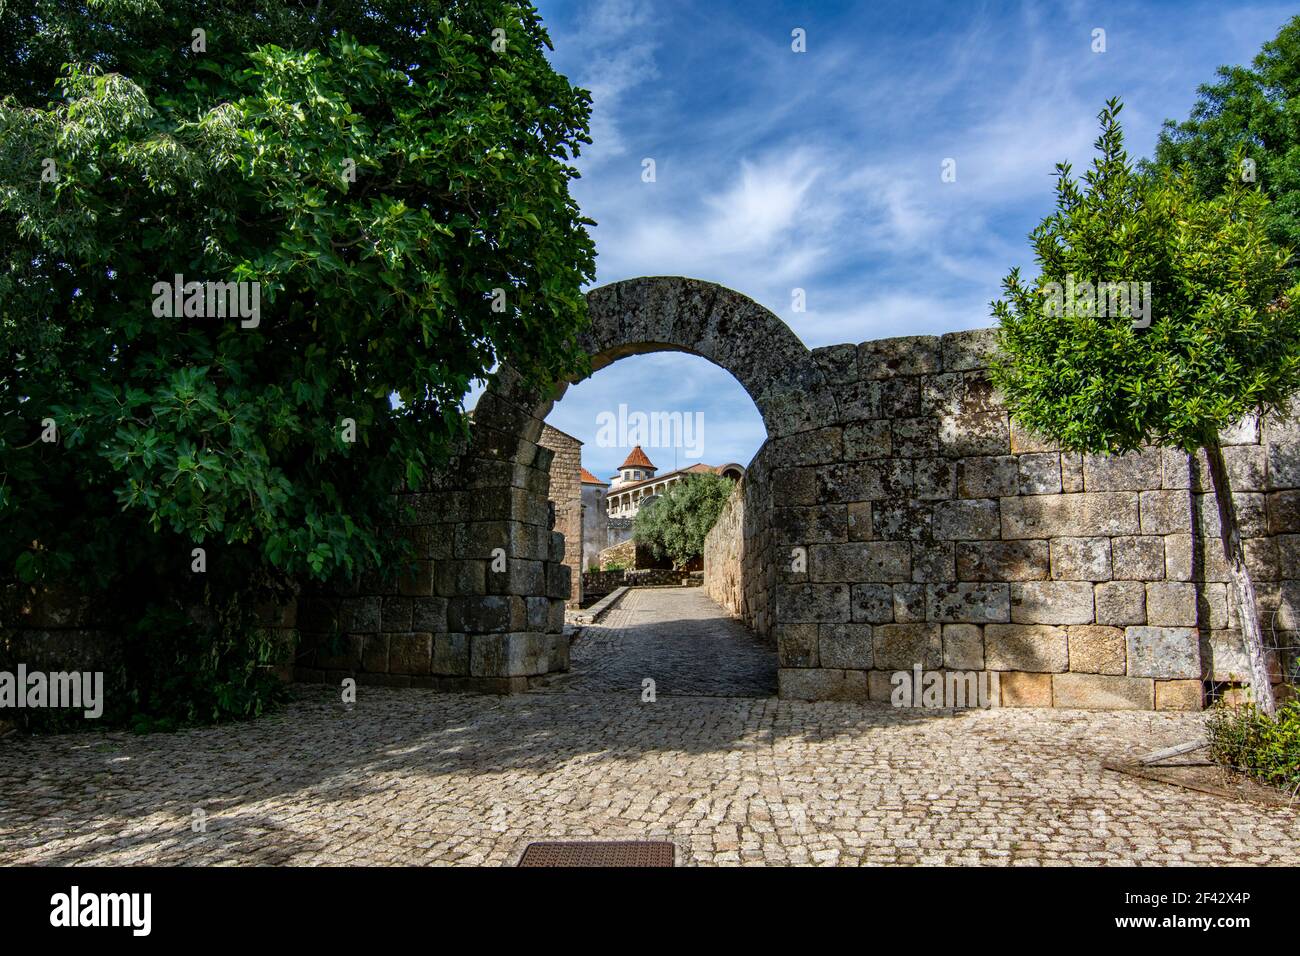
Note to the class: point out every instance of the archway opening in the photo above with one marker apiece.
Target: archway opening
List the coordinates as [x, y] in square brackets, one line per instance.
[635, 318]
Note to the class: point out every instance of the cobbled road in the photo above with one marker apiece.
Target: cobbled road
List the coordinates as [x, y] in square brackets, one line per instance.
[413, 777]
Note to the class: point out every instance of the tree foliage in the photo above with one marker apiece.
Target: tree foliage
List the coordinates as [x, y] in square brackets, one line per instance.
[1223, 338]
[1254, 110]
[676, 523]
[393, 175]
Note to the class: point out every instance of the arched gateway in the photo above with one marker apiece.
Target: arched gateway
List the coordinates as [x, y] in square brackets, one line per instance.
[893, 519]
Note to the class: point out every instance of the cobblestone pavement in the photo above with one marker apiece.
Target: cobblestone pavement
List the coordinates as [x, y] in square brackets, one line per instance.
[413, 777]
[677, 637]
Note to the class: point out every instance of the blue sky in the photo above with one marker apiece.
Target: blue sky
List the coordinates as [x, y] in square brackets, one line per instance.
[821, 170]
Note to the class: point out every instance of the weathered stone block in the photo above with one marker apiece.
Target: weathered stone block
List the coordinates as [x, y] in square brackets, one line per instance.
[968, 350]
[903, 355]
[1138, 558]
[1098, 692]
[1040, 473]
[900, 398]
[933, 562]
[967, 602]
[818, 446]
[934, 478]
[1051, 602]
[901, 646]
[1019, 647]
[991, 477]
[476, 614]
[861, 561]
[1002, 561]
[1134, 471]
[1024, 441]
[963, 647]
[863, 440]
[1097, 650]
[1179, 694]
[360, 615]
[1192, 557]
[1247, 468]
[914, 437]
[796, 645]
[511, 655]
[873, 603]
[343, 653]
[844, 645]
[455, 578]
[1121, 603]
[374, 654]
[905, 520]
[909, 603]
[1071, 471]
[1081, 559]
[839, 363]
[429, 614]
[863, 480]
[450, 655]
[825, 523]
[538, 613]
[396, 613]
[821, 683]
[1052, 516]
[1026, 690]
[880, 688]
[417, 581]
[1171, 604]
[559, 581]
[1165, 652]
[1166, 512]
[973, 434]
[859, 521]
[409, 653]
[813, 603]
[1283, 466]
[966, 519]
[798, 485]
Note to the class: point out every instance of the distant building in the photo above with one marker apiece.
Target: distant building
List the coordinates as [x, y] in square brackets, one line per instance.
[599, 513]
[566, 498]
[637, 483]
[595, 522]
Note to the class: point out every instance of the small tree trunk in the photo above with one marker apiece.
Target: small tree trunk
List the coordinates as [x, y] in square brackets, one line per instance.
[1243, 589]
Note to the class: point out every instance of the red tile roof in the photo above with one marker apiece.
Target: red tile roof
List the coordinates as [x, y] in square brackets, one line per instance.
[589, 479]
[637, 459]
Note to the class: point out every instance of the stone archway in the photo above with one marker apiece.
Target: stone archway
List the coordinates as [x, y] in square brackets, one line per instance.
[505, 470]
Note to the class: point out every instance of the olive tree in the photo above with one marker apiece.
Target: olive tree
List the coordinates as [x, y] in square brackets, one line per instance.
[675, 524]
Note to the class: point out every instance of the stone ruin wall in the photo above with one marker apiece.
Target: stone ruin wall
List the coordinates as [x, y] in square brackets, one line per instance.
[939, 534]
[566, 495]
[737, 551]
[934, 532]
[459, 623]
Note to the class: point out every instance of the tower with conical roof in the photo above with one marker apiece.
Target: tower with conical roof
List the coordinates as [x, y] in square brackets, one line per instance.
[637, 467]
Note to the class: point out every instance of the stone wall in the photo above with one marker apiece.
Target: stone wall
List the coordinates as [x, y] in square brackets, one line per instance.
[939, 534]
[595, 525]
[927, 530]
[482, 608]
[565, 495]
[738, 572]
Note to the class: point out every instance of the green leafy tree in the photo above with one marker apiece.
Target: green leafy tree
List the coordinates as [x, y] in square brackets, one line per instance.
[675, 524]
[1254, 110]
[393, 176]
[1223, 340]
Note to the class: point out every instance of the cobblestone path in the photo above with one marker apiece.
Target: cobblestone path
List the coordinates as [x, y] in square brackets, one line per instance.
[413, 777]
[678, 638]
